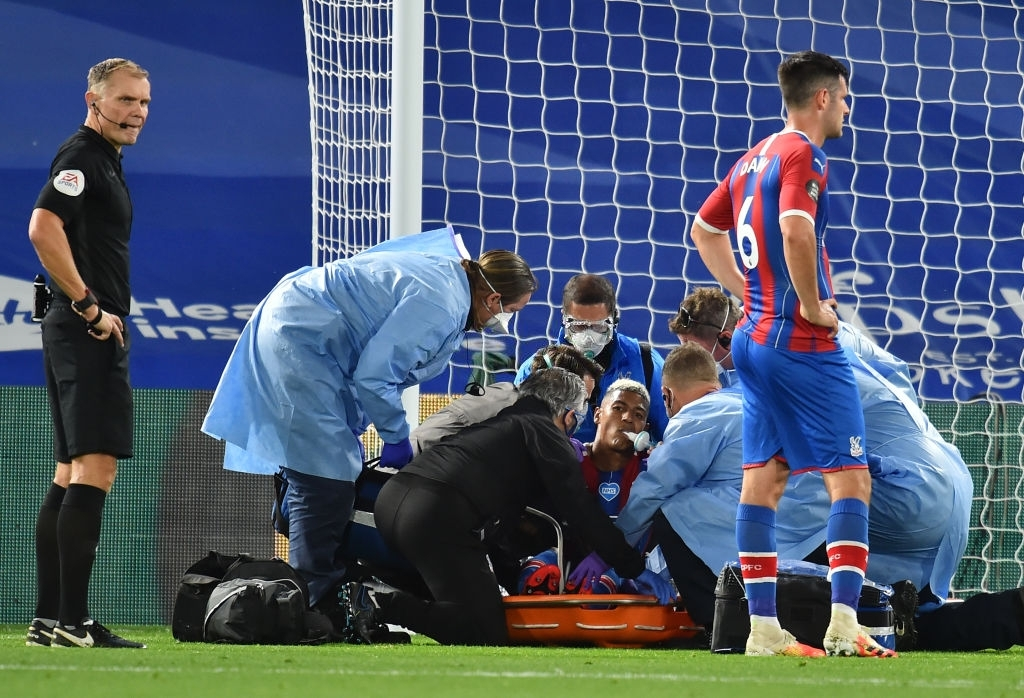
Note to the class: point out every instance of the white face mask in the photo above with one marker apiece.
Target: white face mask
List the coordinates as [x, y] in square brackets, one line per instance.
[498, 322]
[588, 341]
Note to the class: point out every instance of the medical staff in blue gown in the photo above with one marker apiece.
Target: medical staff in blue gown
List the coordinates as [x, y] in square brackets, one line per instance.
[694, 485]
[329, 351]
[921, 488]
[920, 503]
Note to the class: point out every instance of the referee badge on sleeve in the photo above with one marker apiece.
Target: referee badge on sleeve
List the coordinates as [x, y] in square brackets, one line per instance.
[69, 182]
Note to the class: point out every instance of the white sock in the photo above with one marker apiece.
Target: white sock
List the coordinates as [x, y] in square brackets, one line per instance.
[765, 627]
[844, 618]
[764, 622]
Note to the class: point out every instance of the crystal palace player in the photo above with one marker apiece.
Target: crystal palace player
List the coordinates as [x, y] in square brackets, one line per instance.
[801, 410]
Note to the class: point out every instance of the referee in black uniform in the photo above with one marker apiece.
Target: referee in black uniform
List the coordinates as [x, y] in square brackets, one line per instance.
[80, 229]
[438, 510]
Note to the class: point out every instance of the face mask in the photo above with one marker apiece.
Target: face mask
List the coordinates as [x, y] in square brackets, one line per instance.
[575, 423]
[721, 368]
[588, 341]
[498, 322]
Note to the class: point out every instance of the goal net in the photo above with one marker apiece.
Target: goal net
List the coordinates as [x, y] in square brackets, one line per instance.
[348, 46]
[585, 135]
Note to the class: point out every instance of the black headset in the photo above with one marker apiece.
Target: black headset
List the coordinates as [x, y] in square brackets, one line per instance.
[724, 340]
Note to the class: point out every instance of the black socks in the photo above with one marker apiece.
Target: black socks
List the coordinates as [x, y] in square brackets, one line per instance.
[47, 555]
[78, 534]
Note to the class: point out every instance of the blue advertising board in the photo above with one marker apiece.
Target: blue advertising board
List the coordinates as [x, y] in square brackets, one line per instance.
[220, 177]
[925, 234]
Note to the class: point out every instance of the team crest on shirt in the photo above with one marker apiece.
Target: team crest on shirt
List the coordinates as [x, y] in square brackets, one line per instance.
[813, 189]
[856, 450]
[70, 182]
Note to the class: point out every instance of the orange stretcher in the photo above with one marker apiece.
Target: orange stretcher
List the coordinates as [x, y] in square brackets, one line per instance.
[605, 620]
[616, 620]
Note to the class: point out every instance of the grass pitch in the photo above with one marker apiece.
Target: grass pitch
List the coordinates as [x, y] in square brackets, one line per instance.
[169, 668]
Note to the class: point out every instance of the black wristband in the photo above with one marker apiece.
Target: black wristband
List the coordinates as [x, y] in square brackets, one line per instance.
[95, 321]
[81, 306]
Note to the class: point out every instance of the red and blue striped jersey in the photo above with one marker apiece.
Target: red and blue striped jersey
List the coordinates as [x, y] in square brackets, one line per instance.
[783, 175]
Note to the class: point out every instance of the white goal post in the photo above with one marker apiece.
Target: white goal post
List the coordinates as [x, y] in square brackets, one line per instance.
[585, 134]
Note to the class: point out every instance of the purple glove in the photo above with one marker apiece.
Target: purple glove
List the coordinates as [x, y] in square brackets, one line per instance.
[591, 567]
[650, 582]
[396, 455]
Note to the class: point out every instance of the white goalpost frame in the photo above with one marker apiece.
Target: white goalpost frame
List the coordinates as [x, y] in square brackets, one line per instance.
[387, 86]
[584, 134]
[407, 141]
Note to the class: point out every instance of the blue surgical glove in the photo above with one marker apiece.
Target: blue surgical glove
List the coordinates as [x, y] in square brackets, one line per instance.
[396, 455]
[650, 582]
[591, 567]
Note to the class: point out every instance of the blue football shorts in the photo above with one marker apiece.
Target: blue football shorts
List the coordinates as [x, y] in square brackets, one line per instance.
[801, 407]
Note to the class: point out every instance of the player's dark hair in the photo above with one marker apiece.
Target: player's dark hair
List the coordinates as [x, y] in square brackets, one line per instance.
[568, 357]
[628, 385]
[590, 289]
[804, 73]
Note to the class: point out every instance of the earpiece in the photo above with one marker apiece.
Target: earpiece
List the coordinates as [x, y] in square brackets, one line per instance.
[475, 389]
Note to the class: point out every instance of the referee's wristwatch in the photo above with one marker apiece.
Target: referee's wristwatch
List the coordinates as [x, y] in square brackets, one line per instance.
[81, 306]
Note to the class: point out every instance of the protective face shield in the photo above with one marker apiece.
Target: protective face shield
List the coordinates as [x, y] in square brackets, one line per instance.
[589, 337]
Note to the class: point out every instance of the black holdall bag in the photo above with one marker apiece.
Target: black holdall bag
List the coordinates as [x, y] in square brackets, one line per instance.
[194, 590]
[245, 600]
[252, 611]
[803, 604]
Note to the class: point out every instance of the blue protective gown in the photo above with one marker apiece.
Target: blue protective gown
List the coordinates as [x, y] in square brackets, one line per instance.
[330, 350]
[921, 488]
[695, 476]
[921, 491]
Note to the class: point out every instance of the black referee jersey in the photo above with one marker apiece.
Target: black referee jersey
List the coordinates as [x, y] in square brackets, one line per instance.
[88, 192]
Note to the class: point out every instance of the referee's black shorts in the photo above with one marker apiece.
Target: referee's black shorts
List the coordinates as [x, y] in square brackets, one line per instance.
[88, 386]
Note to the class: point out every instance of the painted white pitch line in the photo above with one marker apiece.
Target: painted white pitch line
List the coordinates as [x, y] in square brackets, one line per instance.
[555, 674]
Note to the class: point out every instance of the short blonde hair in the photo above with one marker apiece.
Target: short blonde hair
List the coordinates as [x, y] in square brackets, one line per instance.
[101, 72]
[629, 385]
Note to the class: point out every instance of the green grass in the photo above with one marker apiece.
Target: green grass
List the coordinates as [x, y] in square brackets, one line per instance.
[168, 668]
